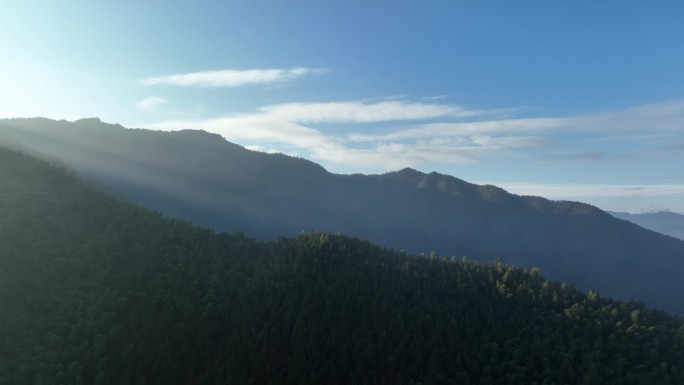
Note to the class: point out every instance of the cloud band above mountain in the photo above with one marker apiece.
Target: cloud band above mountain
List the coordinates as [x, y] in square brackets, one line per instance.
[409, 134]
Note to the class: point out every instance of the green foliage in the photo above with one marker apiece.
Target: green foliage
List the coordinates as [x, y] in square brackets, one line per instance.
[202, 178]
[95, 291]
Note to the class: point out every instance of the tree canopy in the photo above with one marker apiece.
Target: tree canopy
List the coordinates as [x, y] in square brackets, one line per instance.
[97, 291]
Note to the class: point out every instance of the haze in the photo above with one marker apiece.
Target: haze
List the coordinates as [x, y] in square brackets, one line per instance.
[576, 101]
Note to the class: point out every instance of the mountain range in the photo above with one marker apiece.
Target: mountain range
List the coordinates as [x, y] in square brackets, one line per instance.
[98, 291]
[664, 222]
[202, 178]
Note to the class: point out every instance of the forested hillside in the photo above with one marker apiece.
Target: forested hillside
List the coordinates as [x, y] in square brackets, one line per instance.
[202, 178]
[96, 291]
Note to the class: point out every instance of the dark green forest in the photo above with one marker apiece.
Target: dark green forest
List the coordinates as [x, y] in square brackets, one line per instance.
[97, 291]
[202, 178]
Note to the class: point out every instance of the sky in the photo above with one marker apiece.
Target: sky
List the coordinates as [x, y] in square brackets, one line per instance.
[580, 100]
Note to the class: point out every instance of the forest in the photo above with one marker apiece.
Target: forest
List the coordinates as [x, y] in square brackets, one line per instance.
[201, 177]
[94, 290]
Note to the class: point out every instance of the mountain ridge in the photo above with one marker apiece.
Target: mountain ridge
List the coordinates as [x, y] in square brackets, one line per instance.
[94, 290]
[205, 179]
[664, 222]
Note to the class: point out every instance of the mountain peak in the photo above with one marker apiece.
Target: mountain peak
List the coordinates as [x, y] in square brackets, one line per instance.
[408, 171]
[201, 137]
[93, 120]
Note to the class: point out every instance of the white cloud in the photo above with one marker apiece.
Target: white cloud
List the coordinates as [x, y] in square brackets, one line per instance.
[412, 134]
[580, 190]
[484, 127]
[659, 117]
[150, 103]
[283, 123]
[262, 149]
[230, 78]
[359, 112]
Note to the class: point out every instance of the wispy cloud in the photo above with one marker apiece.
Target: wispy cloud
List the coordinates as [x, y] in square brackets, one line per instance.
[659, 118]
[231, 78]
[363, 112]
[150, 103]
[460, 129]
[582, 155]
[580, 190]
[285, 124]
[262, 149]
[415, 133]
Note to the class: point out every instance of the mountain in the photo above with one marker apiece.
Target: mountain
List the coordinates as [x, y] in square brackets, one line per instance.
[97, 291]
[664, 222]
[202, 178]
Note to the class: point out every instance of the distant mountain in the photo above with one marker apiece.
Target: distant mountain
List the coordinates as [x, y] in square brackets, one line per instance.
[97, 291]
[203, 178]
[664, 222]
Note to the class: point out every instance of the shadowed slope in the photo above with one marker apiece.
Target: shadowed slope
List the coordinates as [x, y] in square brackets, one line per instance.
[205, 179]
[97, 291]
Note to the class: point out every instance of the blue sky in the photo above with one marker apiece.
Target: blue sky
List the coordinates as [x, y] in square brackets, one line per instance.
[579, 100]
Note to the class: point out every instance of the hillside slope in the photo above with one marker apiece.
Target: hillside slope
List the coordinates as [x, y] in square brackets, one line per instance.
[96, 291]
[664, 222]
[203, 178]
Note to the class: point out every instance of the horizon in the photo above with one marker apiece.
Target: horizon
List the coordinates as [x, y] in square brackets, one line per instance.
[576, 101]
